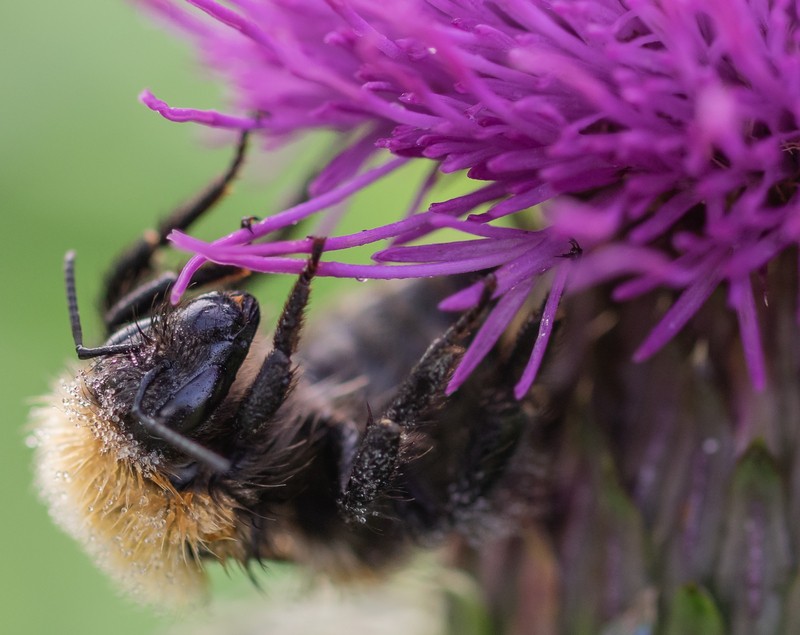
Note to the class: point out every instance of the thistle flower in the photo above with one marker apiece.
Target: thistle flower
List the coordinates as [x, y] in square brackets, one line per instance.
[661, 140]
[663, 134]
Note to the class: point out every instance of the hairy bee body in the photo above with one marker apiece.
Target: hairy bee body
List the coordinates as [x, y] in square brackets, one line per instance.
[353, 362]
[190, 436]
[151, 525]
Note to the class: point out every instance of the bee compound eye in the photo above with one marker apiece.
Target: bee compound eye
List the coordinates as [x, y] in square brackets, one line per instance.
[220, 317]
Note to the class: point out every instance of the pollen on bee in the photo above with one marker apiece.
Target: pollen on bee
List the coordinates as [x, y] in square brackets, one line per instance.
[105, 492]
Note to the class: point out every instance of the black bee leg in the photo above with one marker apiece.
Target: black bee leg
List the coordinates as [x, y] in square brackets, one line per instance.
[499, 423]
[136, 261]
[504, 419]
[379, 452]
[496, 424]
[274, 379]
[491, 445]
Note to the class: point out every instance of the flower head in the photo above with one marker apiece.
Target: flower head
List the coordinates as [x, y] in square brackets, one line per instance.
[662, 138]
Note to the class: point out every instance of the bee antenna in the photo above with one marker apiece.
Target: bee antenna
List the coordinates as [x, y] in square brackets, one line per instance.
[75, 317]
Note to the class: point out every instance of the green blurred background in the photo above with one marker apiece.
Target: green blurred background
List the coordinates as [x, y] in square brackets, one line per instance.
[86, 167]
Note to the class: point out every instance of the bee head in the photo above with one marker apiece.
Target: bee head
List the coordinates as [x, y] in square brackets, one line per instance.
[162, 378]
[120, 443]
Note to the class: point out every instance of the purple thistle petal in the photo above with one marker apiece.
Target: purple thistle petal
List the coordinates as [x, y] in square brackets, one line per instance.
[678, 315]
[613, 262]
[480, 229]
[741, 298]
[526, 200]
[582, 222]
[232, 19]
[490, 331]
[423, 191]
[538, 257]
[189, 243]
[362, 28]
[210, 118]
[313, 205]
[668, 214]
[462, 300]
[277, 221]
[457, 206]
[462, 204]
[360, 272]
[177, 17]
[545, 330]
[302, 245]
[185, 277]
[346, 165]
[452, 251]
[754, 256]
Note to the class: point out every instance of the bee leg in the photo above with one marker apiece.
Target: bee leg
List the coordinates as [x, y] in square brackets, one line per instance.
[136, 261]
[491, 445]
[376, 459]
[504, 421]
[493, 441]
[500, 422]
[274, 379]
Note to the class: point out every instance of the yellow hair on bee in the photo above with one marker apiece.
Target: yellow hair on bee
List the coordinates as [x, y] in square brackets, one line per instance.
[107, 492]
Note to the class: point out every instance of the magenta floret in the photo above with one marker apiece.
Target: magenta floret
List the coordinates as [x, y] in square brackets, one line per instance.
[662, 137]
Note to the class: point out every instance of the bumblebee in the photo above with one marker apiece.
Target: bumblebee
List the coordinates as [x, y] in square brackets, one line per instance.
[189, 436]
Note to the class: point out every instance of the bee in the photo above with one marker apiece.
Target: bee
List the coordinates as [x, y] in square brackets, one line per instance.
[189, 436]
